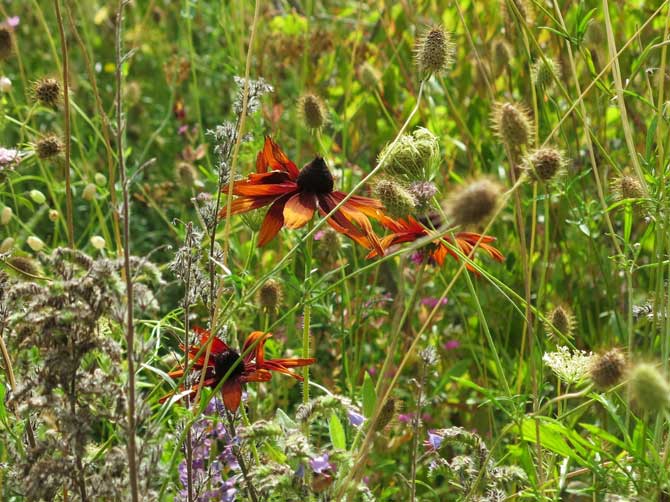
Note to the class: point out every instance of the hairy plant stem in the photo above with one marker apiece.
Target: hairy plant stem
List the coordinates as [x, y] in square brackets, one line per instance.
[130, 325]
[66, 117]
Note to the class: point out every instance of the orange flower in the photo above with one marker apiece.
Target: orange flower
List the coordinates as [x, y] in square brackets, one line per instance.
[253, 367]
[410, 230]
[294, 195]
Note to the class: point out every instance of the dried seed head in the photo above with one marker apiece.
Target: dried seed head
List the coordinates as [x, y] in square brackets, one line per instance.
[608, 369]
[24, 264]
[626, 186]
[187, 174]
[544, 164]
[6, 43]
[270, 295]
[369, 76]
[313, 111]
[48, 146]
[649, 388]
[423, 193]
[512, 124]
[6, 215]
[435, 51]
[474, 203]
[545, 72]
[502, 55]
[386, 414]
[89, 192]
[561, 320]
[48, 92]
[398, 201]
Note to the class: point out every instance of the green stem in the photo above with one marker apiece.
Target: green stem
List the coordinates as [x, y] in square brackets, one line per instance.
[307, 314]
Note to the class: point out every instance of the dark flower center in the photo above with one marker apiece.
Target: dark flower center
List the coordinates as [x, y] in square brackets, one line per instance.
[224, 361]
[315, 178]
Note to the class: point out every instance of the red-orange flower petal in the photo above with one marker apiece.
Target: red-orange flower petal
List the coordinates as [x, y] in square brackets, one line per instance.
[299, 209]
[231, 392]
[274, 158]
[273, 221]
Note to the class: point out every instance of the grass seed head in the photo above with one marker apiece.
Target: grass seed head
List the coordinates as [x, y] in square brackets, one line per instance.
[649, 388]
[397, 200]
[435, 51]
[270, 295]
[47, 91]
[313, 111]
[474, 203]
[7, 245]
[545, 72]
[544, 164]
[608, 369]
[512, 124]
[560, 319]
[48, 147]
[502, 55]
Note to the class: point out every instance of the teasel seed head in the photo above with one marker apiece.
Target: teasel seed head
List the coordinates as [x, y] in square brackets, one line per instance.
[545, 72]
[434, 52]
[626, 186]
[608, 369]
[48, 147]
[386, 414]
[6, 215]
[6, 43]
[562, 320]
[397, 200]
[649, 388]
[474, 203]
[512, 124]
[544, 164]
[24, 264]
[313, 111]
[270, 295]
[47, 91]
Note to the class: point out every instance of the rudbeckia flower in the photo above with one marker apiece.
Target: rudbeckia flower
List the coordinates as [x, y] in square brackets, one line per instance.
[295, 195]
[252, 367]
[410, 230]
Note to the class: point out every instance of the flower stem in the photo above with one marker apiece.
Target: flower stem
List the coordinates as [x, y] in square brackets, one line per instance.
[307, 314]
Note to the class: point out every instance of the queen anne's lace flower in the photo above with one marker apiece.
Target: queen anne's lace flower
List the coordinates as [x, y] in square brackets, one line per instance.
[571, 366]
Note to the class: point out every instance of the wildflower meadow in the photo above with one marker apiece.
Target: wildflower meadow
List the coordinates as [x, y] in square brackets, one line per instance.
[308, 250]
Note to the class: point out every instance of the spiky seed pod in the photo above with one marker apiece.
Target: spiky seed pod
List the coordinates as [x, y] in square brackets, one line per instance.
[386, 414]
[23, 264]
[502, 55]
[6, 43]
[423, 193]
[48, 147]
[369, 76]
[545, 72]
[434, 51]
[649, 388]
[474, 203]
[560, 319]
[626, 186]
[313, 111]
[48, 92]
[270, 295]
[187, 173]
[396, 199]
[512, 124]
[544, 164]
[608, 369]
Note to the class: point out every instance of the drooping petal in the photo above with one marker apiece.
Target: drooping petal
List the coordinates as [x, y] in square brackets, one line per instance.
[273, 158]
[273, 221]
[244, 204]
[259, 375]
[369, 207]
[257, 341]
[299, 209]
[218, 345]
[352, 222]
[231, 391]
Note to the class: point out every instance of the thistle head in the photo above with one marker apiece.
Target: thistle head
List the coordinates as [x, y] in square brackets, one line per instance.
[270, 295]
[474, 203]
[313, 111]
[369, 76]
[48, 146]
[544, 164]
[560, 320]
[434, 52]
[47, 91]
[608, 369]
[513, 125]
[626, 186]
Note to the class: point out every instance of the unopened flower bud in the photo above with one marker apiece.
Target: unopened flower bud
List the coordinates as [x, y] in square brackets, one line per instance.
[89, 192]
[53, 215]
[6, 215]
[7, 245]
[5, 84]
[100, 179]
[399, 202]
[37, 197]
[35, 243]
[560, 320]
[98, 242]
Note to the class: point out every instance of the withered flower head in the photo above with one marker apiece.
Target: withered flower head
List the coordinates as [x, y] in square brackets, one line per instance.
[513, 125]
[474, 203]
[544, 164]
[434, 51]
[313, 111]
[48, 147]
[608, 369]
[47, 91]
[270, 295]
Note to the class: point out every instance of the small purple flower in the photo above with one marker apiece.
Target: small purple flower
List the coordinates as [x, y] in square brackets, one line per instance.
[452, 344]
[182, 129]
[433, 302]
[372, 371]
[405, 418]
[355, 419]
[320, 464]
[434, 441]
[319, 235]
[13, 21]
[417, 257]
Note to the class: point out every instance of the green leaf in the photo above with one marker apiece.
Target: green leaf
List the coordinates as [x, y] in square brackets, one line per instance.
[336, 430]
[368, 396]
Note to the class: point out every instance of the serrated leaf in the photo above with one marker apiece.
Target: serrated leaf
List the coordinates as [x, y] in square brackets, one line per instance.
[368, 396]
[337, 436]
